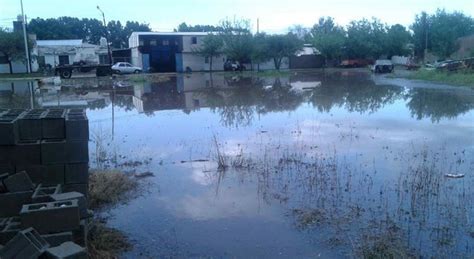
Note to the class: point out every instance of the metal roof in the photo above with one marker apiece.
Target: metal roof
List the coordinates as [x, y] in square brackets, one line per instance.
[172, 33]
[59, 42]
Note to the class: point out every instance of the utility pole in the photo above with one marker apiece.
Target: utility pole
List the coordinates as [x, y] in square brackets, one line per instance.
[106, 36]
[27, 53]
[258, 25]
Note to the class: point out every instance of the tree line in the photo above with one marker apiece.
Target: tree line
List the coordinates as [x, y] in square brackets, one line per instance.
[437, 33]
[89, 30]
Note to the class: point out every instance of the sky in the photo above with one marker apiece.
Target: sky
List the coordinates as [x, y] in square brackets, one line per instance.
[275, 16]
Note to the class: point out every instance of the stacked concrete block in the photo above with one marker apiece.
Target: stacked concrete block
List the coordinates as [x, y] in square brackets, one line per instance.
[44, 179]
[25, 244]
[11, 226]
[61, 216]
[53, 124]
[66, 250]
[44, 194]
[57, 239]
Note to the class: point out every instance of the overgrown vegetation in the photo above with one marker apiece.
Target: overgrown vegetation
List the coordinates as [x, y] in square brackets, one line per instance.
[107, 188]
[464, 78]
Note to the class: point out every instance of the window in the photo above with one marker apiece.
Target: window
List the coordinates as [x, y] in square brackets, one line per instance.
[140, 43]
[128, 65]
[63, 60]
[122, 65]
[206, 60]
[153, 42]
[194, 40]
[166, 42]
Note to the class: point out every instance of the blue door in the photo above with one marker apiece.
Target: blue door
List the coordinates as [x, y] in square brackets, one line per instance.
[146, 62]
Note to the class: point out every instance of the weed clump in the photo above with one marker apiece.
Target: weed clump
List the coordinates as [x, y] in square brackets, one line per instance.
[105, 242]
[107, 187]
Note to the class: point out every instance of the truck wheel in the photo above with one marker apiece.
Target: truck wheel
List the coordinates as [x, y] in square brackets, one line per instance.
[137, 71]
[66, 73]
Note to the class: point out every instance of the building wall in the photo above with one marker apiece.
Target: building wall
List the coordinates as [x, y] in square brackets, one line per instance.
[136, 58]
[188, 45]
[198, 63]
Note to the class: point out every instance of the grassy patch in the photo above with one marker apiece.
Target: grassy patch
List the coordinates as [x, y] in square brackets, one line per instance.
[107, 188]
[465, 78]
[21, 76]
[105, 242]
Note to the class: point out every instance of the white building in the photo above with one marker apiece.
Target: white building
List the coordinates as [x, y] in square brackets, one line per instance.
[63, 52]
[175, 52]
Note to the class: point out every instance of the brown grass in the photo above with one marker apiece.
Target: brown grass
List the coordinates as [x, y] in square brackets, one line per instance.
[105, 242]
[108, 187]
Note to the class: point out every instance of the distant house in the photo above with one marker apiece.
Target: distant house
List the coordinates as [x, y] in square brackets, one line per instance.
[307, 57]
[62, 52]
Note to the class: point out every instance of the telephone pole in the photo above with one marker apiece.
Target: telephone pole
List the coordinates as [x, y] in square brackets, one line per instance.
[106, 35]
[27, 53]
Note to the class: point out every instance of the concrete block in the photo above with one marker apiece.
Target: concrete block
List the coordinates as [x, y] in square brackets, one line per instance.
[53, 151]
[2, 187]
[33, 171]
[80, 235]
[7, 169]
[25, 244]
[67, 250]
[18, 182]
[81, 200]
[48, 175]
[53, 124]
[77, 187]
[7, 154]
[14, 113]
[8, 130]
[52, 174]
[51, 217]
[76, 111]
[9, 231]
[58, 238]
[43, 194]
[76, 173]
[77, 127]
[30, 125]
[12, 202]
[27, 152]
[77, 151]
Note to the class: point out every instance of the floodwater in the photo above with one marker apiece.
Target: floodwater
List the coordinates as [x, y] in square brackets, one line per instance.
[311, 164]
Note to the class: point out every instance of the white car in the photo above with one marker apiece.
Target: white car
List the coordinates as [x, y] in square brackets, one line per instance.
[125, 68]
[382, 66]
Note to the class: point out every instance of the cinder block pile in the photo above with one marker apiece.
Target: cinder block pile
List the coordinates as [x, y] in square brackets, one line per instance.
[43, 183]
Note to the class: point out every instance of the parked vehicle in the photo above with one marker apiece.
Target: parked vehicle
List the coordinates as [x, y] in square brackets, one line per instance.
[125, 68]
[65, 71]
[382, 66]
[347, 63]
[231, 65]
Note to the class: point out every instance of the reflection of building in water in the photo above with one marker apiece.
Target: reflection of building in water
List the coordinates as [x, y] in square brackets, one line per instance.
[27, 94]
[193, 91]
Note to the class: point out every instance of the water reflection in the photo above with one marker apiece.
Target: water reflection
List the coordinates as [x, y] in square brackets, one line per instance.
[240, 99]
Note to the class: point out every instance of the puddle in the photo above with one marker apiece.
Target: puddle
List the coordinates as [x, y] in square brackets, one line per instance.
[251, 167]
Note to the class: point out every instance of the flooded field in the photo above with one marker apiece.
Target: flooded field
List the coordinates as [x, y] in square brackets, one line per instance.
[309, 164]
